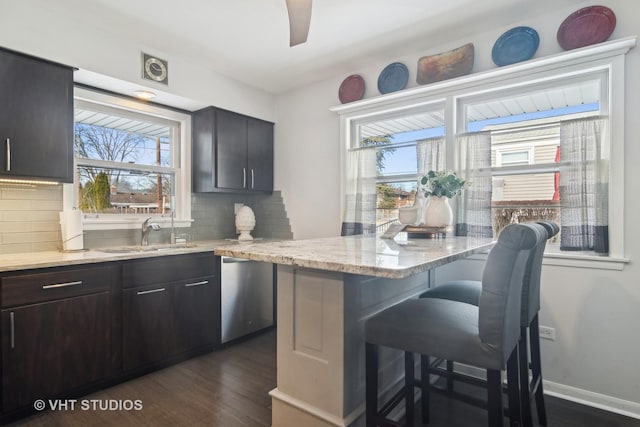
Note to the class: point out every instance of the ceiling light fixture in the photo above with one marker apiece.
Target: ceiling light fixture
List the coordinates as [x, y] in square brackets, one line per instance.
[144, 94]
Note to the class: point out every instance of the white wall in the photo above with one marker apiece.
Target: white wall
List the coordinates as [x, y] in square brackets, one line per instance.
[595, 312]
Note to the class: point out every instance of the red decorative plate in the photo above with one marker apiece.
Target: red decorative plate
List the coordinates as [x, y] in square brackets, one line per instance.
[351, 89]
[586, 26]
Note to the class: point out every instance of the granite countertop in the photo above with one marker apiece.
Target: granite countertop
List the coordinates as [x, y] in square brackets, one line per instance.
[29, 260]
[366, 255]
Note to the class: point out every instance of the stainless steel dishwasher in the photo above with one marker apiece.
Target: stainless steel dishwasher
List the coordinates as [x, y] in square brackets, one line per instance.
[246, 299]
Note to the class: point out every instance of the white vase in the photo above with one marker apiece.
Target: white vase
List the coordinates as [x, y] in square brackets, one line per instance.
[245, 222]
[438, 212]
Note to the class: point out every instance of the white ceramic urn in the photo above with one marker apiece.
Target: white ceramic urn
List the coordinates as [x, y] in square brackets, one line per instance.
[245, 223]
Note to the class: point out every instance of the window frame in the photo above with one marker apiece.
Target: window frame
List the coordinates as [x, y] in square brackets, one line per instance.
[608, 57]
[180, 151]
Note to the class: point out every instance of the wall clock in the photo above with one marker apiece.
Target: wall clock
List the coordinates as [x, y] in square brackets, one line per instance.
[155, 69]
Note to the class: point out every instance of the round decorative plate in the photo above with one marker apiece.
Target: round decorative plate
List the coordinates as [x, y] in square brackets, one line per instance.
[516, 45]
[586, 26]
[351, 89]
[394, 77]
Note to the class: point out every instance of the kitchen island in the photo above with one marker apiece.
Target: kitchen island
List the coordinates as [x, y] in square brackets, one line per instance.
[327, 288]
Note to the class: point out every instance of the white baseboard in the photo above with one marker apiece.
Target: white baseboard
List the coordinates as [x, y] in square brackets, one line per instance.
[574, 394]
[589, 398]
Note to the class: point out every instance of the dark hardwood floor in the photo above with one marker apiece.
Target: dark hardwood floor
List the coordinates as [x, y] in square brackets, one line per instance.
[229, 388]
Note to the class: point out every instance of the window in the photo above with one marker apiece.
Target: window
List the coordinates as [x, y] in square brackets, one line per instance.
[523, 107]
[525, 142]
[397, 160]
[513, 157]
[129, 161]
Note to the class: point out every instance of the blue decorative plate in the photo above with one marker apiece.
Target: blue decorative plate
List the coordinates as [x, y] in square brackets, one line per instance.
[394, 77]
[516, 45]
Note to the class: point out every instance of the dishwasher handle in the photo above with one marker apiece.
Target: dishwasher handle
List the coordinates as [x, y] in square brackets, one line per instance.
[230, 260]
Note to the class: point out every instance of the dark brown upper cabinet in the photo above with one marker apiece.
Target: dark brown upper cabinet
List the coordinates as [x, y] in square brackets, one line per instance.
[36, 118]
[231, 152]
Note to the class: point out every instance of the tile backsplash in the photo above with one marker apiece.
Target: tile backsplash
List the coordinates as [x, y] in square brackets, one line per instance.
[29, 220]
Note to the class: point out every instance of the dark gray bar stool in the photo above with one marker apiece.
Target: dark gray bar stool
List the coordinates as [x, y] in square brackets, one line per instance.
[468, 291]
[483, 335]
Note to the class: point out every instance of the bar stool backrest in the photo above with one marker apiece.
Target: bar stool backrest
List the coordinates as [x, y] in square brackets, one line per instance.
[502, 280]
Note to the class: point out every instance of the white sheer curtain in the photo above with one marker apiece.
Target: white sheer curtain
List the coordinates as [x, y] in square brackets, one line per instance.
[584, 185]
[430, 154]
[473, 164]
[360, 193]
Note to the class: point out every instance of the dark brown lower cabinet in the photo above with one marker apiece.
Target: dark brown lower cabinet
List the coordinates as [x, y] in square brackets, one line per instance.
[62, 336]
[65, 331]
[148, 329]
[197, 315]
[171, 307]
[167, 320]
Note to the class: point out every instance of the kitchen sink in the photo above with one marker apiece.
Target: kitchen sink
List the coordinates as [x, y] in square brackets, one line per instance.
[150, 248]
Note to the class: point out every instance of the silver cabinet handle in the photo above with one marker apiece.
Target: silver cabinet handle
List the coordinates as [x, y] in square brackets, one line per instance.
[12, 321]
[8, 155]
[152, 291]
[252, 179]
[244, 177]
[204, 282]
[62, 285]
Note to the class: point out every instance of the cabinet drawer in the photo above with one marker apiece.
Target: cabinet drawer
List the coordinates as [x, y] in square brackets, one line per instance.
[57, 284]
[167, 269]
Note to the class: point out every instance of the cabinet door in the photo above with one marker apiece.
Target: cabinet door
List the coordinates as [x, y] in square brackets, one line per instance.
[197, 314]
[55, 347]
[231, 151]
[202, 151]
[148, 327]
[260, 155]
[36, 118]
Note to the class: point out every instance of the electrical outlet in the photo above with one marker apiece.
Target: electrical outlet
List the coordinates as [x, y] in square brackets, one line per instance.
[547, 333]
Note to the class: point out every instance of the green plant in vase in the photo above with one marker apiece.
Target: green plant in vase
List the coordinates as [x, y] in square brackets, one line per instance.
[441, 184]
[438, 188]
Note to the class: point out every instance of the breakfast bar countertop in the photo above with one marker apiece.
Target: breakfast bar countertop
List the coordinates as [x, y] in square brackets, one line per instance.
[364, 255]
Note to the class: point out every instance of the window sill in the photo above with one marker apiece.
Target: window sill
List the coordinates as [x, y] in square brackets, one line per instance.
[576, 260]
[92, 222]
[552, 256]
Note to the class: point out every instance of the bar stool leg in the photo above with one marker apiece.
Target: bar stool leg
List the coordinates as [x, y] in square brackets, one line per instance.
[536, 370]
[424, 385]
[371, 386]
[494, 397]
[409, 379]
[512, 389]
[523, 364]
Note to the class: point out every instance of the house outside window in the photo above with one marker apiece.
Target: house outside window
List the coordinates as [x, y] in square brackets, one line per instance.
[129, 161]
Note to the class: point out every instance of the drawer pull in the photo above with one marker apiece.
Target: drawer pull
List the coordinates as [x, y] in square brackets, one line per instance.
[8, 155]
[13, 329]
[204, 282]
[62, 285]
[152, 291]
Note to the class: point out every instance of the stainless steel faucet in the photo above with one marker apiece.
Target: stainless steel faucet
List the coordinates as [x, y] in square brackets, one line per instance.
[146, 229]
